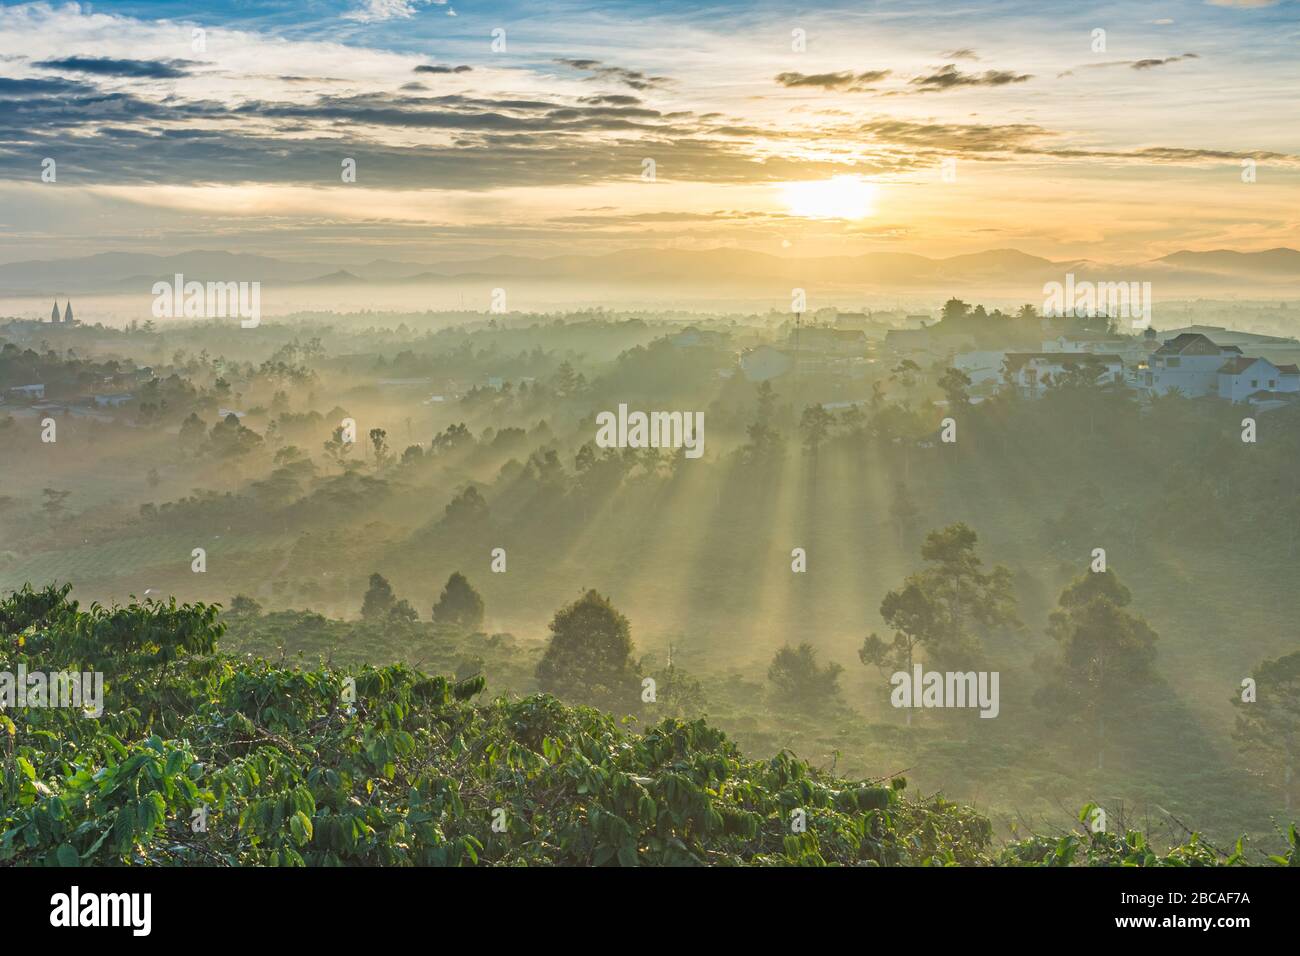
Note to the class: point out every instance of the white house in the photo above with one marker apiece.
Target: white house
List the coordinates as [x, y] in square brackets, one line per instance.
[1252, 341]
[28, 391]
[1243, 376]
[981, 367]
[1189, 362]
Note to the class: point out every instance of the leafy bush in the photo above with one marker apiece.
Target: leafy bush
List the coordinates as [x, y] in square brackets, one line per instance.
[798, 678]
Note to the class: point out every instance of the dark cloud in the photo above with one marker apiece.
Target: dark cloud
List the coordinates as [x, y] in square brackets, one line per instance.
[1172, 155]
[956, 137]
[107, 66]
[1145, 64]
[1149, 63]
[425, 68]
[38, 86]
[948, 77]
[612, 99]
[633, 79]
[963, 54]
[846, 81]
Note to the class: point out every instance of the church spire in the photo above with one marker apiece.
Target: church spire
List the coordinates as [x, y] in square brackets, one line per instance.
[67, 313]
[54, 314]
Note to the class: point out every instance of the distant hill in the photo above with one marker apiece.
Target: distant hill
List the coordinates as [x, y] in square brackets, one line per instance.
[1277, 262]
[1180, 271]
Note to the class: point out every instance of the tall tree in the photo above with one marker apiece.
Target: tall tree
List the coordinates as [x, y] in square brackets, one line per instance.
[955, 385]
[379, 599]
[1106, 652]
[815, 423]
[459, 605]
[1268, 727]
[944, 608]
[589, 657]
[379, 440]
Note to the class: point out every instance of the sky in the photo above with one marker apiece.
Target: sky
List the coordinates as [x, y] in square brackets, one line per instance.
[1113, 131]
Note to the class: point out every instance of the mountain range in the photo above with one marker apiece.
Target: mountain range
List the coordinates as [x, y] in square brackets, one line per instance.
[1185, 271]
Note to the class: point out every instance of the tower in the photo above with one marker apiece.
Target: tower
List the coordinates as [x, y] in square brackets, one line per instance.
[67, 314]
[54, 313]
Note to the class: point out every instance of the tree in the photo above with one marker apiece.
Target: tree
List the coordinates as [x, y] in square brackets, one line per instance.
[955, 385]
[916, 620]
[338, 448]
[972, 599]
[459, 605]
[677, 693]
[906, 372]
[815, 423]
[467, 509]
[764, 440]
[798, 679]
[242, 606]
[943, 607]
[903, 510]
[1268, 727]
[589, 656]
[193, 433]
[564, 381]
[379, 599]
[1105, 651]
[379, 441]
[229, 438]
[954, 310]
[455, 436]
[402, 612]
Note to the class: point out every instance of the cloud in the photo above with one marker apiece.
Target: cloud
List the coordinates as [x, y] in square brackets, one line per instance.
[612, 99]
[1143, 64]
[948, 77]
[956, 137]
[1242, 3]
[376, 11]
[962, 54]
[1150, 62]
[107, 66]
[845, 81]
[634, 79]
[425, 68]
[38, 86]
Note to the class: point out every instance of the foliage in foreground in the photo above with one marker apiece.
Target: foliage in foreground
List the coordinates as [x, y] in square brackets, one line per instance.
[201, 758]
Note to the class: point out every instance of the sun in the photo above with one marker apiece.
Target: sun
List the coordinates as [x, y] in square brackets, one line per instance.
[840, 197]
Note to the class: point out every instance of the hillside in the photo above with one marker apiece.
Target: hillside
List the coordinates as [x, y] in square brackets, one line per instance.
[200, 758]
